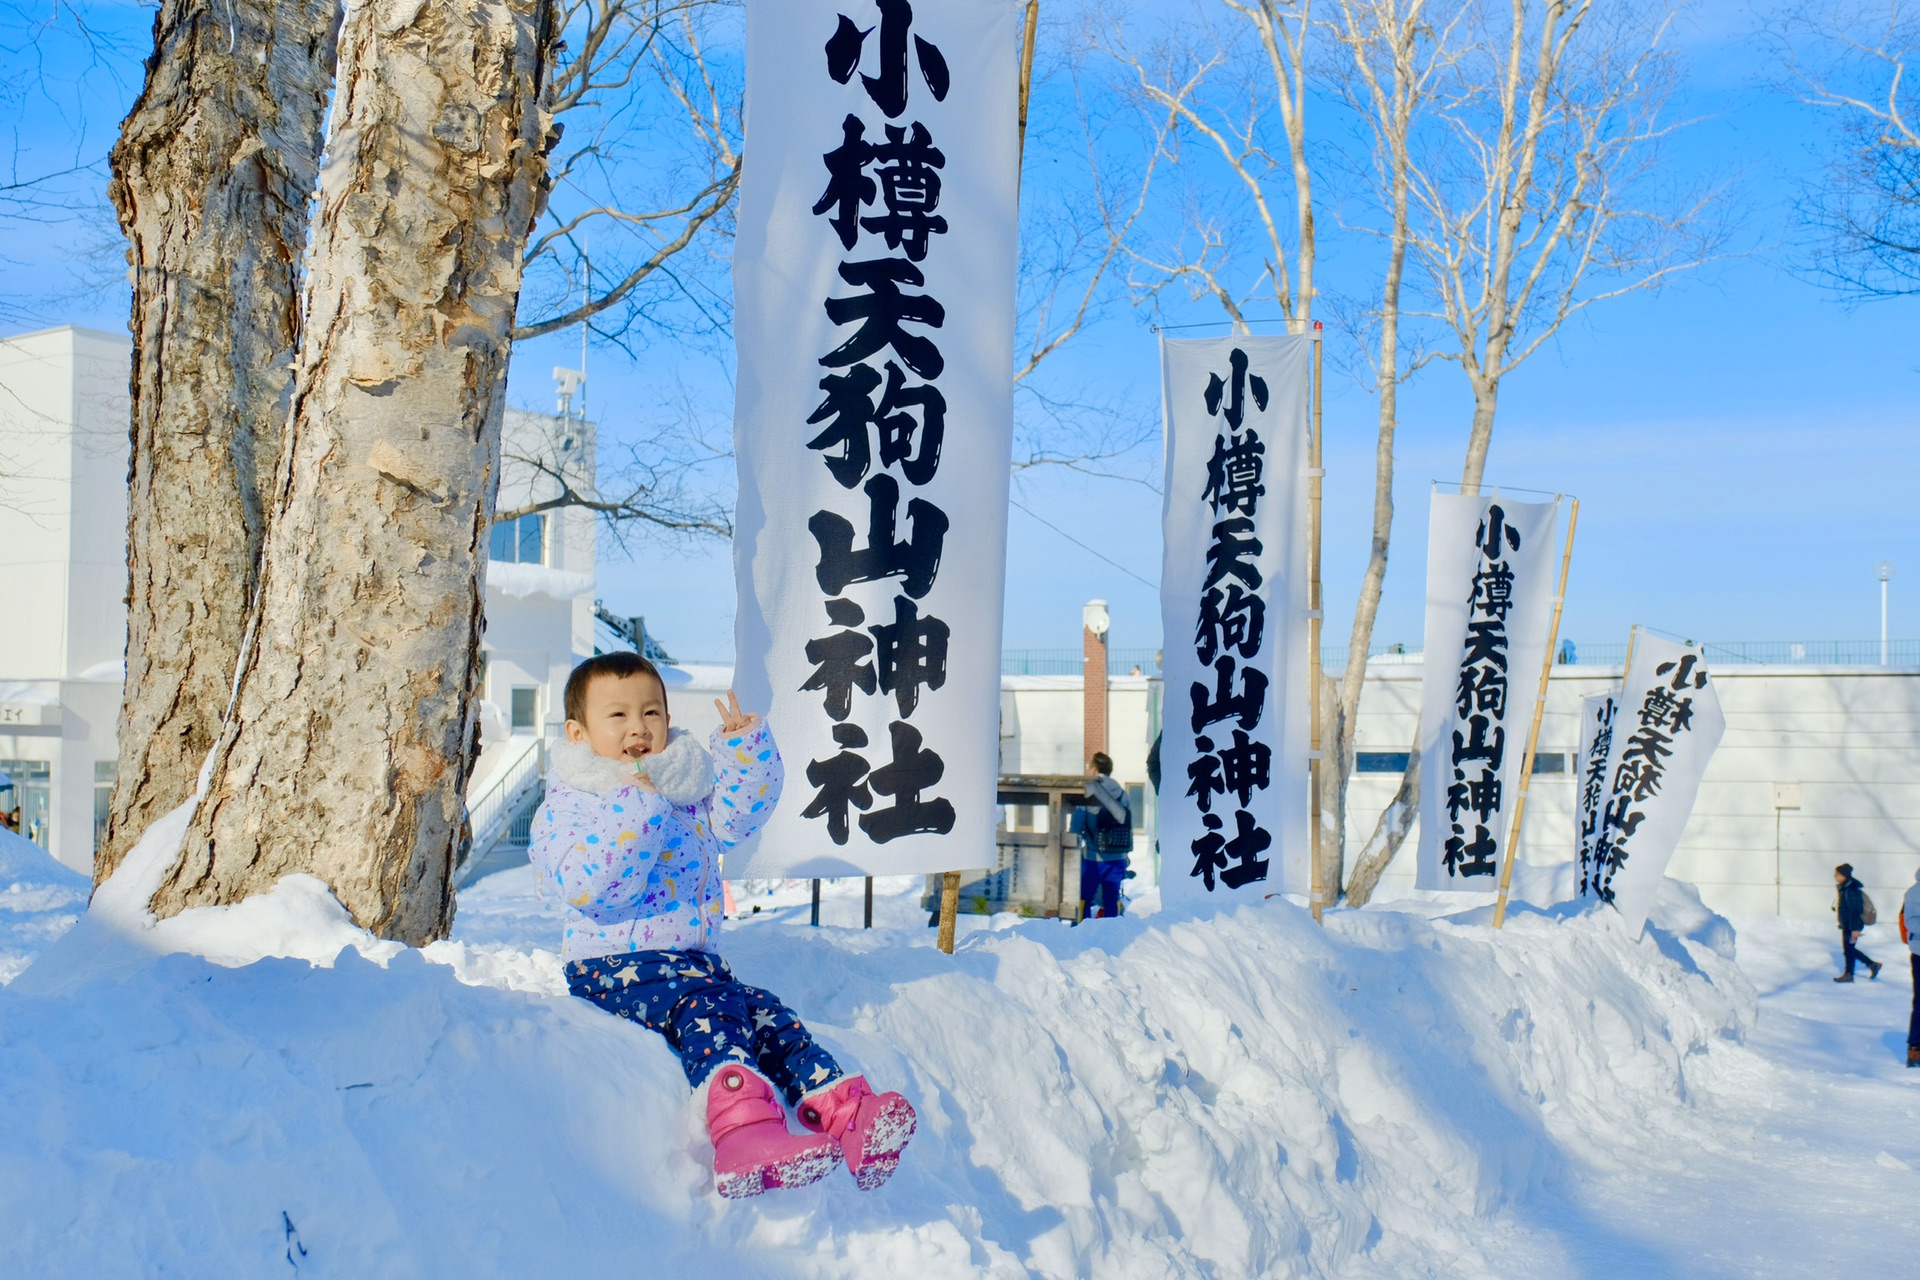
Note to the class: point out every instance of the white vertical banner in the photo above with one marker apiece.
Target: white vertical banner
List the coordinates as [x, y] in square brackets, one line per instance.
[873, 283]
[1668, 726]
[1491, 568]
[1233, 611]
[1598, 714]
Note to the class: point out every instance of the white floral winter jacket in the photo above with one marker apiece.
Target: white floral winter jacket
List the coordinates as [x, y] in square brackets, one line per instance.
[635, 870]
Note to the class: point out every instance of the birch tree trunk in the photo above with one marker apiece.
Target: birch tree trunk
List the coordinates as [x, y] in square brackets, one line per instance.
[352, 730]
[1391, 85]
[212, 177]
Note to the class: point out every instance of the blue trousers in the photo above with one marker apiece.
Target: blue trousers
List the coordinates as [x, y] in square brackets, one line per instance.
[1854, 955]
[1100, 886]
[1913, 1023]
[707, 1016]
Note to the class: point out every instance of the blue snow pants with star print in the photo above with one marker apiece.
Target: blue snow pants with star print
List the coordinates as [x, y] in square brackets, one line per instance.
[708, 1016]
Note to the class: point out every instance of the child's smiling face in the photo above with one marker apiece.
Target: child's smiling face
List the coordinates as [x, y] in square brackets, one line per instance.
[626, 717]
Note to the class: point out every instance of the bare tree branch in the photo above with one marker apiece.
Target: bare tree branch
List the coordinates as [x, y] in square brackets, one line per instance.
[1857, 62]
[642, 96]
[1539, 193]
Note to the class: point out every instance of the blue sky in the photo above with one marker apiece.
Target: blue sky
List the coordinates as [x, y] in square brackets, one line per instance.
[1743, 443]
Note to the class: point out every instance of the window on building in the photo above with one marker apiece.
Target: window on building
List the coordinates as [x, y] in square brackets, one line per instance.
[104, 772]
[1137, 803]
[29, 805]
[1550, 762]
[1381, 761]
[522, 541]
[525, 710]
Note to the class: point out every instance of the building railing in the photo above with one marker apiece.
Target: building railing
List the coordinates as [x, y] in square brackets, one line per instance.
[491, 811]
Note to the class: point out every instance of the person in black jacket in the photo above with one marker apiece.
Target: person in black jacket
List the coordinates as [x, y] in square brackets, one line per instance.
[1852, 908]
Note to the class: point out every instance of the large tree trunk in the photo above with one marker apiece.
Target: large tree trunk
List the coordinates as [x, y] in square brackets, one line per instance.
[352, 729]
[212, 177]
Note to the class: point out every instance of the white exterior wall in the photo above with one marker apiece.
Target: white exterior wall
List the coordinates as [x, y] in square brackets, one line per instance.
[539, 617]
[1849, 737]
[63, 530]
[63, 501]
[1041, 729]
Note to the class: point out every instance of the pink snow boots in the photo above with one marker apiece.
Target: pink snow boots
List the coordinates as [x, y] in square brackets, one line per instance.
[752, 1149]
[872, 1129]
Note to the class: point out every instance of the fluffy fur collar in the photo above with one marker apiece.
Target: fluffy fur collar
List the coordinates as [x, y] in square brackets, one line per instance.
[683, 772]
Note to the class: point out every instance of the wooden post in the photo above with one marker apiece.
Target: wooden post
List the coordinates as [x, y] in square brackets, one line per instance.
[1315, 836]
[949, 909]
[950, 882]
[1026, 69]
[1533, 735]
[869, 920]
[815, 922]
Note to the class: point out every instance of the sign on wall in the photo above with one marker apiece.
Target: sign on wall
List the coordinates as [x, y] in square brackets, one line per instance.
[1491, 566]
[1233, 596]
[1667, 728]
[873, 281]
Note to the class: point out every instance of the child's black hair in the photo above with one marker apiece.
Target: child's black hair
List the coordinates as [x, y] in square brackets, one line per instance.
[1103, 763]
[618, 665]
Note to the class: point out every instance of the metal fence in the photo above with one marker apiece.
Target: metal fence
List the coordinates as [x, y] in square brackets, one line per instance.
[1333, 657]
[1070, 662]
[1792, 653]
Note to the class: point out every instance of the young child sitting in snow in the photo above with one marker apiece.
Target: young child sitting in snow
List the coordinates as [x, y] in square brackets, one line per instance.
[630, 833]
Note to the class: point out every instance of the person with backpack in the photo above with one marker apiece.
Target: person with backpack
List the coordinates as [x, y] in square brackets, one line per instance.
[1855, 909]
[1108, 835]
[1910, 934]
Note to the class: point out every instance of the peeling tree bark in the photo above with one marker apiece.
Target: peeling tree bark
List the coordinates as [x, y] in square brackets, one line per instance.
[352, 728]
[212, 178]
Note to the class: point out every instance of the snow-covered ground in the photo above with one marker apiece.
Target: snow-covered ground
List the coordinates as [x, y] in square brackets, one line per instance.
[263, 1090]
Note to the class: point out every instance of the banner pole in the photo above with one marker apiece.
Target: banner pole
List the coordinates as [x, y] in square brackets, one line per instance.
[1533, 735]
[949, 910]
[1026, 70]
[1314, 767]
[950, 881]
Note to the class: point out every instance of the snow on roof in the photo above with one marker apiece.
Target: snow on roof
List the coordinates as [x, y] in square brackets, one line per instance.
[519, 581]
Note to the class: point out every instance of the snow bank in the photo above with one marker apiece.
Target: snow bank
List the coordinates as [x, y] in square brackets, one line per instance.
[40, 898]
[1247, 1095]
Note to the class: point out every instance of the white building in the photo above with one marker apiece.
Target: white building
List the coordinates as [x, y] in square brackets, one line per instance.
[63, 536]
[64, 417]
[1820, 765]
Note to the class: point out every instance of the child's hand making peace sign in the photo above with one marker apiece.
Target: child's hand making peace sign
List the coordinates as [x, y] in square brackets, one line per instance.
[732, 719]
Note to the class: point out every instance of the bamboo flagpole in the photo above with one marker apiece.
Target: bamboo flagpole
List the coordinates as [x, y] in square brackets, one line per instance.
[1315, 837]
[1512, 851]
[1026, 69]
[950, 882]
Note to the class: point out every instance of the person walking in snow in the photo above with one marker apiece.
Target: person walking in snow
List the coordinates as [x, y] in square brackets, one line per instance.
[630, 835]
[1910, 934]
[1109, 839]
[1851, 904]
